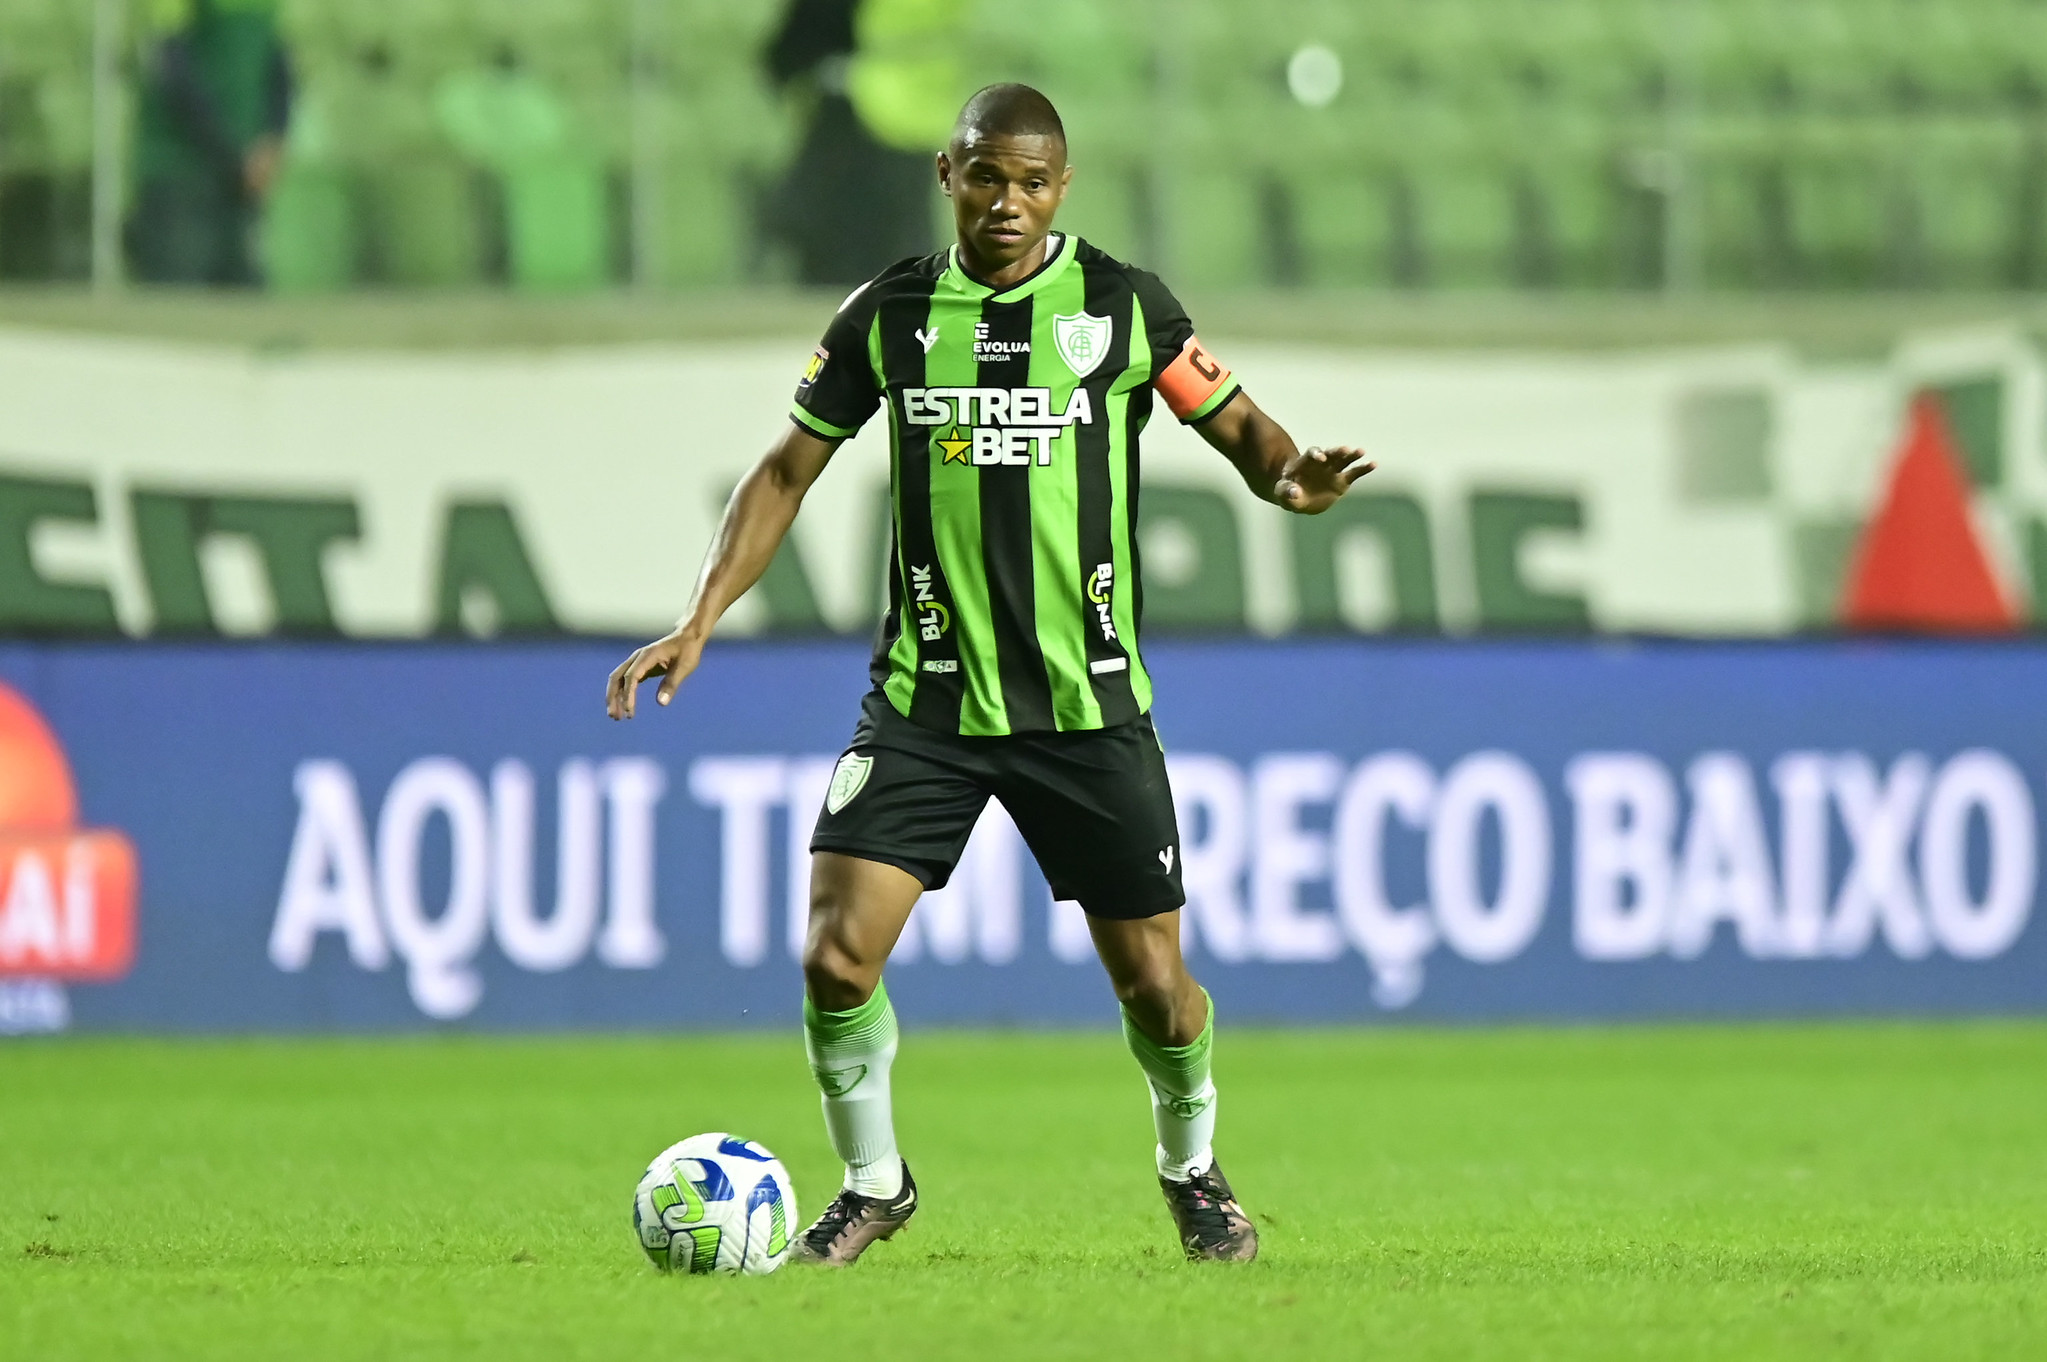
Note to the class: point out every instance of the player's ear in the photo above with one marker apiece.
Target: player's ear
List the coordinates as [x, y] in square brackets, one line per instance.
[1065, 181]
[945, 174]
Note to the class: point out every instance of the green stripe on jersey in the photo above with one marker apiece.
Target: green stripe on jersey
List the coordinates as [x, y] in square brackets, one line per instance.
[956, 510]
[818, 426]
[901, 686]
[1136, 372]
[1062, 618]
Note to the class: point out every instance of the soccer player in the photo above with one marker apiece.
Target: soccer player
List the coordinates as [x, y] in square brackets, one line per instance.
[1018, 368]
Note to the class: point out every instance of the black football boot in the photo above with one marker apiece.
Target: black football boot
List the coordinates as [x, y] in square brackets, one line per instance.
[852, 1222]
[1211, 1223]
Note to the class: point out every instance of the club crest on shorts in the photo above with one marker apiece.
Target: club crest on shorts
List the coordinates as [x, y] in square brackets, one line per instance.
[847, 779]
[1083, 341]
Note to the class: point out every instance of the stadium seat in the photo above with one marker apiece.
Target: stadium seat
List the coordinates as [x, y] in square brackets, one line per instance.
[1963, 178]
[309, 231]
[557, 223]
[1473, 143]
[1227, 248]
[424, 224]
[1349, 228]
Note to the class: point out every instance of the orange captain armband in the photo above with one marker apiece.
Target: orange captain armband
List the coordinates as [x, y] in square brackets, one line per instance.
[1195, 383]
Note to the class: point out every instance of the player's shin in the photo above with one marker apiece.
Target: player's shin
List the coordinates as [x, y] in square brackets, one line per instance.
[850, 1054]
[1182, 1096]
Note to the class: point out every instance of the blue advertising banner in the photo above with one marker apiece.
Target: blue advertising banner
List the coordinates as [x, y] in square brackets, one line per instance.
[300, 837]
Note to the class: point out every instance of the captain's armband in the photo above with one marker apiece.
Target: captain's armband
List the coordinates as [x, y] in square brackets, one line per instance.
[1196, 384]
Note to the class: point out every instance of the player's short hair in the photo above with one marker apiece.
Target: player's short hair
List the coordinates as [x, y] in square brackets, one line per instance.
[1008, 110]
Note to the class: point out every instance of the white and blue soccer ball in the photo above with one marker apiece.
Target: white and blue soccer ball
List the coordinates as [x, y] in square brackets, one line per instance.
[715, 1203]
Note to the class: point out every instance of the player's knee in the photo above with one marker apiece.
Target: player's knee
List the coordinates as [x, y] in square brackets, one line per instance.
[1165, 1002]
[835, 975]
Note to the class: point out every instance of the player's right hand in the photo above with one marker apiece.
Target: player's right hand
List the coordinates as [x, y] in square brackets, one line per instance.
[672, 659]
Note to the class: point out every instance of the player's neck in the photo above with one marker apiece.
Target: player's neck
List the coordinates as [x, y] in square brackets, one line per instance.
[999, 278]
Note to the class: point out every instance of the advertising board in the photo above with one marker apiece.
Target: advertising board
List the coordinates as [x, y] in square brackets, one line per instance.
[166, 490]
[360, 837]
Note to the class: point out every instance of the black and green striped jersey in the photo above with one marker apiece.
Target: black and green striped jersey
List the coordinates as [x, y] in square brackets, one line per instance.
[1014, 415]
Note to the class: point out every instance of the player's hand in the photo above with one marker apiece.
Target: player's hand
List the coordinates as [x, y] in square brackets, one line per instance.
[1315, 478]
[672, 659]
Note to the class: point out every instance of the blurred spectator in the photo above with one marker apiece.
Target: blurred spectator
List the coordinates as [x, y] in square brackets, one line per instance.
[215, 98]
[883, 78]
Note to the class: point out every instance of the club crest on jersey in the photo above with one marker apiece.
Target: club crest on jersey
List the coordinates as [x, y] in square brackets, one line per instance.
[1083, 341]
[848, 777]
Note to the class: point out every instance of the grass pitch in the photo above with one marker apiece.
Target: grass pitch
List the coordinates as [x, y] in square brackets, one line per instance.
[1754, 1192]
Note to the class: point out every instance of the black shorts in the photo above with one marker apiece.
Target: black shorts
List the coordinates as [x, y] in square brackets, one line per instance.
[1093, 806]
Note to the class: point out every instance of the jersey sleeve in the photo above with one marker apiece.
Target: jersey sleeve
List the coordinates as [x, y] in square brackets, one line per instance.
[838, 391]
[1193, 383]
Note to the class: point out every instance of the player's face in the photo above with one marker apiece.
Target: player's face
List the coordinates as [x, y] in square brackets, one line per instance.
[1004, 191]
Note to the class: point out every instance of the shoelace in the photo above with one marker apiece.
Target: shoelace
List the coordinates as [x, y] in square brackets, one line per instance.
[844, 1209]
[1204, 1205]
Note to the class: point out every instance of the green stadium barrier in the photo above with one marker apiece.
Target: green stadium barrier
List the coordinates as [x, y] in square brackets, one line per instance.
[28, 602]
[1199, 585]
[1502, 523]
[290, 534]
[483, 553]
[1400, 525]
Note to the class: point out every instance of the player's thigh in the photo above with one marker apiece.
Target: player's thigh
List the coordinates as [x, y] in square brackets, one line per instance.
[857, 910]
[911, 809]
[893, 825]
[1097, 812]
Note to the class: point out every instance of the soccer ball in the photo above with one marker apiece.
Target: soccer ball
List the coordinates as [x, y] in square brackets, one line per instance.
[715, 1203]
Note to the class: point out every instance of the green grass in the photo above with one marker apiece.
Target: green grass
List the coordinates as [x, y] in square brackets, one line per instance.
[1755, 1192]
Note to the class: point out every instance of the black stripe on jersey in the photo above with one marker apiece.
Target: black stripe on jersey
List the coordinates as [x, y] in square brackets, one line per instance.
[1108, 295]
[935, 699]
[1006, 542]
[1134, 418]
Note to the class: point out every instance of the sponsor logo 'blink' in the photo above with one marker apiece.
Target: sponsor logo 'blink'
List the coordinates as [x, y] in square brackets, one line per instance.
[933, 619]
[1101, 589]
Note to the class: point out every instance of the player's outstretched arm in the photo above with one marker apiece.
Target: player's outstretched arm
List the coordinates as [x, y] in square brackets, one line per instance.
[1273, 468]
[756, 518]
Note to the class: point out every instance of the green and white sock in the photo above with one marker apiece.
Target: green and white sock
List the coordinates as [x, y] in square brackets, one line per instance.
[1182, 1096]
[850, 1053]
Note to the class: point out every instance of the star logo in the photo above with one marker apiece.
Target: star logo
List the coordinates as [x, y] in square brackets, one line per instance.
[954, 446]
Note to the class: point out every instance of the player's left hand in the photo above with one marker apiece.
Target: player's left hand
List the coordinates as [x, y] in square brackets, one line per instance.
[1315, 478]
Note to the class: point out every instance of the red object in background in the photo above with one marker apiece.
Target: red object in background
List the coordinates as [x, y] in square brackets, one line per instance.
[1919, 565]
[67, 896]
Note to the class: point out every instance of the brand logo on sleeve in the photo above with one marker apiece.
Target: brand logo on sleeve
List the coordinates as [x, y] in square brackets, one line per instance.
[1083, 341]
[814, 368]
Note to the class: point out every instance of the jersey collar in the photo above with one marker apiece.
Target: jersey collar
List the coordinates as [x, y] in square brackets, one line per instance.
[1058, 255]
